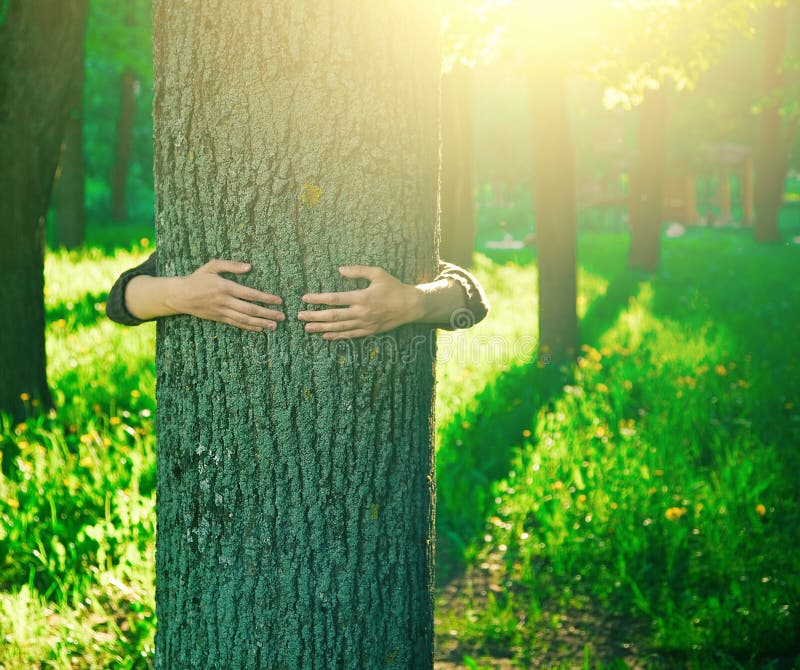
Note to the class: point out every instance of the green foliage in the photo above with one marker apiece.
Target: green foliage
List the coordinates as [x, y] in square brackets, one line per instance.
[656, 481]
[630, 485]
[118, 37]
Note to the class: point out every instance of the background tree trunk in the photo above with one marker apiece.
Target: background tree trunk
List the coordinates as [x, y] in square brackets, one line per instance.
[38, 43]
[458, 167]
[646, 197]
[69, 189]
[295, 475]
[772, 153]
[554, 204]
[124, 146]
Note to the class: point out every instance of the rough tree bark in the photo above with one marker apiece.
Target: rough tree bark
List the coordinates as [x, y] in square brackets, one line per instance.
[646, 197]
[554, 204]
[772, 150]
[124, 145]
[69, 189]
[295, 475]
[458, 170]
[38, 40]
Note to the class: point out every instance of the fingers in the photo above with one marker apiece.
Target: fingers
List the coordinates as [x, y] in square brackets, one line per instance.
[371, 272]
[338, 298]
[219, 265]
[247, 293]
[341, 314]
[245, 322]
[257, 311]
[333, 327]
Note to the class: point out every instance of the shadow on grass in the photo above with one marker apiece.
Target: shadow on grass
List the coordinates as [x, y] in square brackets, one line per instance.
[79, 313]
[478, 444]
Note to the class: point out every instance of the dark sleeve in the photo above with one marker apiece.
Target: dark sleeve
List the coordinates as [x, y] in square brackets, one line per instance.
[477, 304]
[115, 304]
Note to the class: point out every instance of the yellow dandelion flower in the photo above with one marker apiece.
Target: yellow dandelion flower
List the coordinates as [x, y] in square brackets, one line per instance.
[606, 351]
[557, 485]
[582, 498]
[526, 433]
[25, 396]
[761, 510]
[465, 424]
[743, 383]
[13, 502]
[675, 513]
[86, 439]
[602, 388]
[114, 420]
[658, 473]
[613, 505]
[628, 384]
[144, 242]
[721, 370]
[135, 393]
[86, 462]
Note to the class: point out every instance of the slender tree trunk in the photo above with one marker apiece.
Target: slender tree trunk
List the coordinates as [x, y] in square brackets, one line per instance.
[38, 42]
[69, 190]
[748, 206]
[646, 199]
[458, 170]
[724, 194]
[772, 154]
[690, 199]
[554, 203]
[295, 475]
[129, 87]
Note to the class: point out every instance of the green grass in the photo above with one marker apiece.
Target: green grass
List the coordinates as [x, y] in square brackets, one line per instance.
[654, 481]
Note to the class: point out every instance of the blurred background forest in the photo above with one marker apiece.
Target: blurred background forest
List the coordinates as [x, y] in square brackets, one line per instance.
[624, 179]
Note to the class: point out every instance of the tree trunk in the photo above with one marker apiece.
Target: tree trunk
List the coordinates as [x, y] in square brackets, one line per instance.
[646, 198]
[124, 146]
[38, 43]
[772, 154]
[748, 206]
[296, 475]
[458, 171]
[554, 205]
[69, 190]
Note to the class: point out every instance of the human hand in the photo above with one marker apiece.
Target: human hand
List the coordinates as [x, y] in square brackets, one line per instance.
[207, 295]
[385, 304]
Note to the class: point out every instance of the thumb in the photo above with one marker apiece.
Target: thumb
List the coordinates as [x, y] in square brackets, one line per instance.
[219, 265]
[370, 272]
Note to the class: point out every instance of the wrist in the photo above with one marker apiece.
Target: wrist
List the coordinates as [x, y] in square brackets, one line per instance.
[417, 304]
[174, 292]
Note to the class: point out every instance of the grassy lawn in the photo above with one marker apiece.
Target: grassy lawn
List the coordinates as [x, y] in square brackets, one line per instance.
[640, 506]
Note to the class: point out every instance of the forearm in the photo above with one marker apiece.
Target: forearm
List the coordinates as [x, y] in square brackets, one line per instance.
[148, 297]
[438, 301]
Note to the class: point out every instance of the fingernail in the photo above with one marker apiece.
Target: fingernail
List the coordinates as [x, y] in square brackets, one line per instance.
[245, 265]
